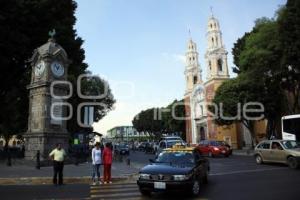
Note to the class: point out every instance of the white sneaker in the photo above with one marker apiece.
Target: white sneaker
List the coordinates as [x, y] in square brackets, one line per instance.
[100, 183]
[94, 183]
[110, 182]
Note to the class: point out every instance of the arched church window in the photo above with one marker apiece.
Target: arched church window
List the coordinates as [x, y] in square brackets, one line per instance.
[209, 64]
[215, 25]
[217, 41]
[193, 58]
[195, 80]
[212, 40]
[220, 65]
[211, 25]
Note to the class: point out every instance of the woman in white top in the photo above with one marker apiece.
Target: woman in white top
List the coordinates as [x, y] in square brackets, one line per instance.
[96, 159]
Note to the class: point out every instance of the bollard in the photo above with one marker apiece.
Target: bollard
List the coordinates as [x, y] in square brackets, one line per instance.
[128, 161]
[76, 158]
[8, 158]
[38, 161]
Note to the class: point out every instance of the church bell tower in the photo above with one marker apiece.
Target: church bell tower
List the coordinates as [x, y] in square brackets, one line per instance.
[192, 70]
[216, 55]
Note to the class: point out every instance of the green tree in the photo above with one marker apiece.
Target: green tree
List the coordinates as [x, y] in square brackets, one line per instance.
[289, 36]
[149, 121]
[155, 121]
[92, 86]
[232, 98]
[257, 56]
[24, 26]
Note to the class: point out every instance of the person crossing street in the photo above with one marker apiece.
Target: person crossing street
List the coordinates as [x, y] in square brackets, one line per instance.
[107, 161]
[97, 160]
[58, 156]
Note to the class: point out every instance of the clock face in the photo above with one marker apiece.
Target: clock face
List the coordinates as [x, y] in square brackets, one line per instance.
[39, 69]
[57, 69]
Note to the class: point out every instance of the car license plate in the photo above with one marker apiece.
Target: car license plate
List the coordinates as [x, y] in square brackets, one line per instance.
[159, 185]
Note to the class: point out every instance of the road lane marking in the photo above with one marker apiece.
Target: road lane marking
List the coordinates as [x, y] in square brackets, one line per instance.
[123, 195]
[246, 171]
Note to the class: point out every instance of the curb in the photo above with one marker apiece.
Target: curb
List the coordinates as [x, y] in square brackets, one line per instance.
[67, 180]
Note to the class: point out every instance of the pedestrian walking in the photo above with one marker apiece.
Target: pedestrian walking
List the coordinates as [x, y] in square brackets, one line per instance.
[107, 161]
[97, 160]
[58, 156]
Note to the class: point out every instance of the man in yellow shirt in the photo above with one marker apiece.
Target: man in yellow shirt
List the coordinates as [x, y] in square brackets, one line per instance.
[58, 156]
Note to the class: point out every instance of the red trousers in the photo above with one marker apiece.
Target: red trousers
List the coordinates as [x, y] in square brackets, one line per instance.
[107, 173]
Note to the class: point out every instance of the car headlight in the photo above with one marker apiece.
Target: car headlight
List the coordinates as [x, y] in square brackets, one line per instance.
[216, 148]
[181, 177]
[144, 176]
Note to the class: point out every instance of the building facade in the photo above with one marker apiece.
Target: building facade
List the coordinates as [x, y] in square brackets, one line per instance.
[125, 133]
[199, 94]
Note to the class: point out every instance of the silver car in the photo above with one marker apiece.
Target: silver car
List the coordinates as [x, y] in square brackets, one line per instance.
[278, 151]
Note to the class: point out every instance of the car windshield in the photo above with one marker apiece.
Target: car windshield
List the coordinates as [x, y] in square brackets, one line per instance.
[181, 158]
[217, 143]
[290, 144]
[173, 142]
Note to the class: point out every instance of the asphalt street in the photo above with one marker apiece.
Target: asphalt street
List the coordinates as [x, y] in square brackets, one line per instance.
[236, 177]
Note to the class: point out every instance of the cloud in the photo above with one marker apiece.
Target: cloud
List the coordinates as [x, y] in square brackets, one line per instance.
[173, 57]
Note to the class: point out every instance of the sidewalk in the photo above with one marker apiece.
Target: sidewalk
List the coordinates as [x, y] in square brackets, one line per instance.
[24, 174]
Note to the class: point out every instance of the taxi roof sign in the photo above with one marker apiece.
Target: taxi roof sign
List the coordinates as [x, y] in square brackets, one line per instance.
[179, 147]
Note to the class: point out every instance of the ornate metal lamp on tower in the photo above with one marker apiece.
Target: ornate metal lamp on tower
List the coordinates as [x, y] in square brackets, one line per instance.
[46, 125]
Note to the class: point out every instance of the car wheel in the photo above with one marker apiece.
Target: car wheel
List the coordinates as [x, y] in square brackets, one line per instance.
[145, 192]
[258, 159]
[195, 188]
[293, 163]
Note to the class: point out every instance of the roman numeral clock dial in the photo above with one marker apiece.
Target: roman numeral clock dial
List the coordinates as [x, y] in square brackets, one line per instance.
[57, 69]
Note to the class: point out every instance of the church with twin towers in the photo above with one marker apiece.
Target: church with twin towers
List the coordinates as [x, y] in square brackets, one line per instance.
[200, 92]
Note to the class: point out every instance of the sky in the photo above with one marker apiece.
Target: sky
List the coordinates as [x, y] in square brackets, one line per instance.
[138, 46]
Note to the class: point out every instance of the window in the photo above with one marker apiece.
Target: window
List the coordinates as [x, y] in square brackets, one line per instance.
[211, 25]
[212, 40]
[276, 146]
[217, 41]
[264, 145]
[209, 64]
[291, 126]
[195, 80]
[220, 63]
[162, 145]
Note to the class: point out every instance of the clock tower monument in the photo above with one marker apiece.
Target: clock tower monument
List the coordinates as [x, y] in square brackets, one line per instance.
[48, 91]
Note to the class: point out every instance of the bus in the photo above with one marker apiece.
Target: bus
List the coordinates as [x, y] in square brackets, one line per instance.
[290, 127]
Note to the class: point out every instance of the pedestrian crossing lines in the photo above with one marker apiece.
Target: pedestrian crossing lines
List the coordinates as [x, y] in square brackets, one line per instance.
[128, 191]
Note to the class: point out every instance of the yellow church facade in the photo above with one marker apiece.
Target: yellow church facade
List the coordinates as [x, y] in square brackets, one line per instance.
[199, 94]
